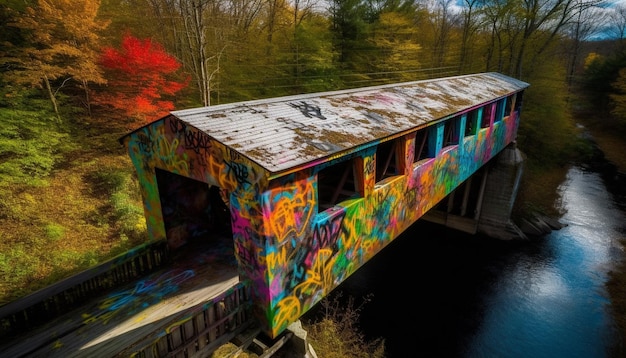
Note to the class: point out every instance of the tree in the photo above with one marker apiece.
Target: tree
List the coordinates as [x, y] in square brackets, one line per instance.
[313, 52]
[504, 29]
[586, 22]
[140, 75]
[442, 20]
[62, 41]
[397, 49]
[349, 27]
[617, 25]
[471, 24]
[618, 98]
[542, 21]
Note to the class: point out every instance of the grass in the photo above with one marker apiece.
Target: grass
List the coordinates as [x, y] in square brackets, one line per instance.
[55, 237]
[75, 203]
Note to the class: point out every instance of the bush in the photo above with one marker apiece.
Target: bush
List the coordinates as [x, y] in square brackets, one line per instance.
[124, 210]
[30, 146]
[337, 335]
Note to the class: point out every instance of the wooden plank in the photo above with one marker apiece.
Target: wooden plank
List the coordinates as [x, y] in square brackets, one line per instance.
[76, 281]
[212, 318]
[268, 352]
[189, 329]
[175, 338]
[109, 325]
[201, 324]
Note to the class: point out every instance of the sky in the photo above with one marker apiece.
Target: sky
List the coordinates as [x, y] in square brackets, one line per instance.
[607, 8]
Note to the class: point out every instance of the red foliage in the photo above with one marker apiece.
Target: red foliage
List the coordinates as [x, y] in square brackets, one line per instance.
[139, 75]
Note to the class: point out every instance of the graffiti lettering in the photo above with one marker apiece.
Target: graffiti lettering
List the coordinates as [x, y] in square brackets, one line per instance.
[288, 311]
[245, 255]
[292, 208]
[308, 110]
[411, 198]
[375, 116]
[198, 142]
[177, 126]
[290, 123]
[240, 171]
[246, 109]
[277, 258]
[144, 142]
[325, 235]
[324, 146]
[233, 155]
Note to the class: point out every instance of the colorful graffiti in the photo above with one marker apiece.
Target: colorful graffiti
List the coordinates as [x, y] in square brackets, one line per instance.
[293, 253]
[144, 294]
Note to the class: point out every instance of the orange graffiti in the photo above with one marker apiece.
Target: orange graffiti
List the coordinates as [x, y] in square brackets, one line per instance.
[288, 311]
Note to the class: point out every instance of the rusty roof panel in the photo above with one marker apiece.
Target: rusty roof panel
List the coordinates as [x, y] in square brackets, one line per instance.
[286, 132]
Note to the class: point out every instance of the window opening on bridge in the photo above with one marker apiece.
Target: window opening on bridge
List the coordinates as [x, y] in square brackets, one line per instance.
[500, 109]
[423, 149]
[518, 101]
[451, 131]
[508, 105]
[486, 117]
[470, 123]
[386, 160]
[336, 183]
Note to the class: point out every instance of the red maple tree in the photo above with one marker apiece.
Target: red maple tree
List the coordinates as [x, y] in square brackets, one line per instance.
[140, 77]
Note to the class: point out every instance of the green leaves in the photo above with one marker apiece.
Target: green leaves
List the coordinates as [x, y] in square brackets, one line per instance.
[29, 147]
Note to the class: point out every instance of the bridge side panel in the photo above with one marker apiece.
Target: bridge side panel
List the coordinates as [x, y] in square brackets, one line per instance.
[310, 251]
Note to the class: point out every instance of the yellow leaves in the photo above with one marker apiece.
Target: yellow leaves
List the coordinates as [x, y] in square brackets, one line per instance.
[396, 40]
[77, 17]
[64, 40]
[591, 58]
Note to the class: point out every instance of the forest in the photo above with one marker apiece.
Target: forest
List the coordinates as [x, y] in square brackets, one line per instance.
[76, 75]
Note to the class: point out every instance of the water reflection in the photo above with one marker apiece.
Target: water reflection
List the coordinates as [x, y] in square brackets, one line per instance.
[440, 293]
[559, 308]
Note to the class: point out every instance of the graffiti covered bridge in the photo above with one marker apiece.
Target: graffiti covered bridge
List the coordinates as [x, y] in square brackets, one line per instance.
[313, 186]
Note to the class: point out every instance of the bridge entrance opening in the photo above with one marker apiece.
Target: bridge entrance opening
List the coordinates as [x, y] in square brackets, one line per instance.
[192, 210]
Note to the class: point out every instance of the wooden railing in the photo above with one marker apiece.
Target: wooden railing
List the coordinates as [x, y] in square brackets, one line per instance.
[200, 330]
[46, 304]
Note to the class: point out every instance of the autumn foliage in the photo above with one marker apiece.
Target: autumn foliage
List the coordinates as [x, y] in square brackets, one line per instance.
[141, 77]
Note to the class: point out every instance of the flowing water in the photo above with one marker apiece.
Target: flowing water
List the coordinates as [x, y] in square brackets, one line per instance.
[435, 292]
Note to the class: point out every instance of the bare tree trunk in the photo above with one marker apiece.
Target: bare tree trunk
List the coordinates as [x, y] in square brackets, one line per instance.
[87, 98]
[555, 14]
[469, 29]
[53, 99]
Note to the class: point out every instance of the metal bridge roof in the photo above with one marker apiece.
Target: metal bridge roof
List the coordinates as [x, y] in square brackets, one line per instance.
[286, 132]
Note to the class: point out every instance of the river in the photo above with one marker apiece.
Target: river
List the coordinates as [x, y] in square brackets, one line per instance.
[435, 292]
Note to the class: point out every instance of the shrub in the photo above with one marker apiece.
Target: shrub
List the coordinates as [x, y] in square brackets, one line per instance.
[337, 335]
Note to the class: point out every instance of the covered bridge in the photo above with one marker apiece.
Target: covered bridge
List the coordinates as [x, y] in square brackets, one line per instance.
[312, 186]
